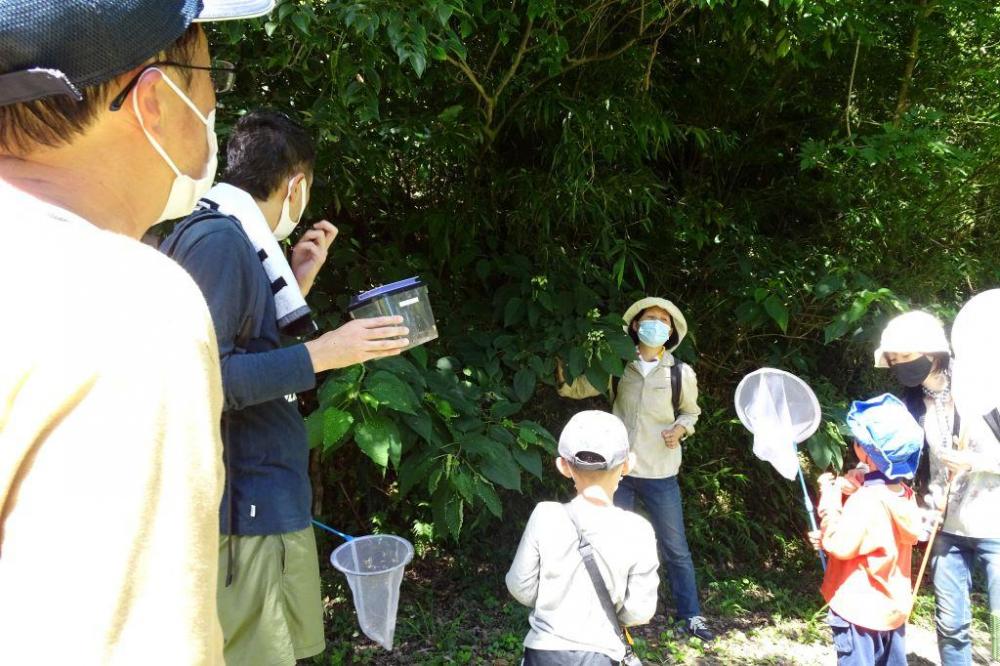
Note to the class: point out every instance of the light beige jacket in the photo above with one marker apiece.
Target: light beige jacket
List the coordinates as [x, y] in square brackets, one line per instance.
[645, 404]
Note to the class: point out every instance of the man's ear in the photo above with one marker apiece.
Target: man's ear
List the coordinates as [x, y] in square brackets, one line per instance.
[564, 467]
[146, 94]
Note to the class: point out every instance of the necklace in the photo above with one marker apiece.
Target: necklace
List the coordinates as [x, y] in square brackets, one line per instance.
[945, 415]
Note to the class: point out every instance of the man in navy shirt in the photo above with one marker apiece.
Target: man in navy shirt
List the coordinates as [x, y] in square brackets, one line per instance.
[269, 597]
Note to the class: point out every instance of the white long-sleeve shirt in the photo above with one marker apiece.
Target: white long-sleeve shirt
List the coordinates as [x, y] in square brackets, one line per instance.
[975, 494]
[549, 575]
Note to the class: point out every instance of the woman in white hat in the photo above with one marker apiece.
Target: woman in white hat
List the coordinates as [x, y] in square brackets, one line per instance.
[657, 398]
[914, 347]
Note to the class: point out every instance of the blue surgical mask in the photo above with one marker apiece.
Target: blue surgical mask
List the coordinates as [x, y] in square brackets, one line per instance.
[653, 332]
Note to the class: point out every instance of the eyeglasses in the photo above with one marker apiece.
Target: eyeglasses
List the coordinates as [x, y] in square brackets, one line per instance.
[223, 75]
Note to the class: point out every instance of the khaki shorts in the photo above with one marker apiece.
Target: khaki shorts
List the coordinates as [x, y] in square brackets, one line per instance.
[272, 614]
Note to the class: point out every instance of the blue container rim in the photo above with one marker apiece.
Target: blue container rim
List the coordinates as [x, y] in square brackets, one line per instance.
[385, 290]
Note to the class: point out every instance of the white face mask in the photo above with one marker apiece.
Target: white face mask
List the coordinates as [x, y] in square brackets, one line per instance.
[185, 190]
[285, 223]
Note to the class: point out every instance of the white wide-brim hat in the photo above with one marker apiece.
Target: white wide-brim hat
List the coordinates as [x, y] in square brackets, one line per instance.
[914, 331]
[679, 326]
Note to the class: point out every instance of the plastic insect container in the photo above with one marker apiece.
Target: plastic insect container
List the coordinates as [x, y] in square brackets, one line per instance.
[407, 299]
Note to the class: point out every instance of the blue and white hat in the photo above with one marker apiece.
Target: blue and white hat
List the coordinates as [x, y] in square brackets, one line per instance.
[888, 433]
[58, 47]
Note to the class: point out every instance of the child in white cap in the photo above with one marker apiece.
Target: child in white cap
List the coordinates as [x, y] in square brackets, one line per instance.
[570, 622]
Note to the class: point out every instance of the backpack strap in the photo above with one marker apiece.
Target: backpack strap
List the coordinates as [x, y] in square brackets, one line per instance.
[587, 553]
[675, 385]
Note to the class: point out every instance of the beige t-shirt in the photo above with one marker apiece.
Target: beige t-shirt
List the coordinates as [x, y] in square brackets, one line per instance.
[110, 456]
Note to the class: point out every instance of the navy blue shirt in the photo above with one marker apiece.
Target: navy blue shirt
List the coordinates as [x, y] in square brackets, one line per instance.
[264, 437]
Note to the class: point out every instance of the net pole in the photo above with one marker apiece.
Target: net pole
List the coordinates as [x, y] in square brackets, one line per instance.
[810, 512]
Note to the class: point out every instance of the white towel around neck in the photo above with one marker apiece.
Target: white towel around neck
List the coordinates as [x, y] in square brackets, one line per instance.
[289, 303]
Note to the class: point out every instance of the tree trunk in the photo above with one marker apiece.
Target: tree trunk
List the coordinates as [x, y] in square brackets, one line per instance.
[903, 98]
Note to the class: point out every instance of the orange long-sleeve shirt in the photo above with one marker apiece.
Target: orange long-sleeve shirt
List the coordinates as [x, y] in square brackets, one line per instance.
[870, 540]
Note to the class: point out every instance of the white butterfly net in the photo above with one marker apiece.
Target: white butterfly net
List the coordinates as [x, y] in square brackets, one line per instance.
[976, 372]
[780, 410]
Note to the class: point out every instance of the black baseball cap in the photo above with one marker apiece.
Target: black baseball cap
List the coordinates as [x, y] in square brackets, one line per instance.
[58, 47]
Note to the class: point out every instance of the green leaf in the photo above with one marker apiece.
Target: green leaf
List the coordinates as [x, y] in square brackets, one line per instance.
[502, 435]
[339, 384]
[777, 311]
[301, 21]
[419, 355]
[577, 363]
[463, 482]
[828, 285]
[434, 479]
[504, 409]
[543, 436]
[314, 428]
[449, 115]
[486, 493]
[392, 392]
[402, 368]
[527, 435]
[379, 439]
[453, 515]
[439, 504]
[500, 468]
[336, 424]
[598, 378]
[513, 312]
[413, 472]
[419, 63]
[423, 425]
[444, 12]
[524, 384]
[529, 459]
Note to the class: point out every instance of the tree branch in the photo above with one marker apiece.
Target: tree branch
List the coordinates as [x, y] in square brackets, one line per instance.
[522, 47]
[850, 89]
[903, 98]
[469, 74]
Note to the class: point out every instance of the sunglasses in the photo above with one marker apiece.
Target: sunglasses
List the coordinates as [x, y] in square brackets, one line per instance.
[223, 76]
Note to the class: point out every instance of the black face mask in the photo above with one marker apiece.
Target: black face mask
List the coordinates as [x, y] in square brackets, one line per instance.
[913, 373]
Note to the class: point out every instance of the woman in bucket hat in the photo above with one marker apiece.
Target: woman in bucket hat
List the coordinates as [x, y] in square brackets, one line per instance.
[914, 347]
[657, 398]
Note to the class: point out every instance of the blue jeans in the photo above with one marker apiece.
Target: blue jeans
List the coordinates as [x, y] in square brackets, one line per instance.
[857, 646]
[662, 500]
[954, 558]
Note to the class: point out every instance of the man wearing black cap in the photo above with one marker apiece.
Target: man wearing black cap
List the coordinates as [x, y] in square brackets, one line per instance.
[110, 397]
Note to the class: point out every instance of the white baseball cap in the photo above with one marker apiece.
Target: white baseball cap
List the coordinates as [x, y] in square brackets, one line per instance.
[594, 432]
[914, 331]
[227, 10]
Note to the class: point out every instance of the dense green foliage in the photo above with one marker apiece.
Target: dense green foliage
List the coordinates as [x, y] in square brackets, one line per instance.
[789, 172]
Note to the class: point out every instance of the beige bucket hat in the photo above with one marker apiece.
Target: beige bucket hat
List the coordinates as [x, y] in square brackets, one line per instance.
[680, 327]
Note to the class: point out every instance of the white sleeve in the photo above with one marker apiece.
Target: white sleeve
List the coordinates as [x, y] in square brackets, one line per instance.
[522, 578]
[639, 604]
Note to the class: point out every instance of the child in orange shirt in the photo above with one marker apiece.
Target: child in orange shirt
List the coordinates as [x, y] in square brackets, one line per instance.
[869, 538]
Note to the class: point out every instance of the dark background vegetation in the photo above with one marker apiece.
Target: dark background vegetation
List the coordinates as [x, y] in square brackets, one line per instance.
[791, 173]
